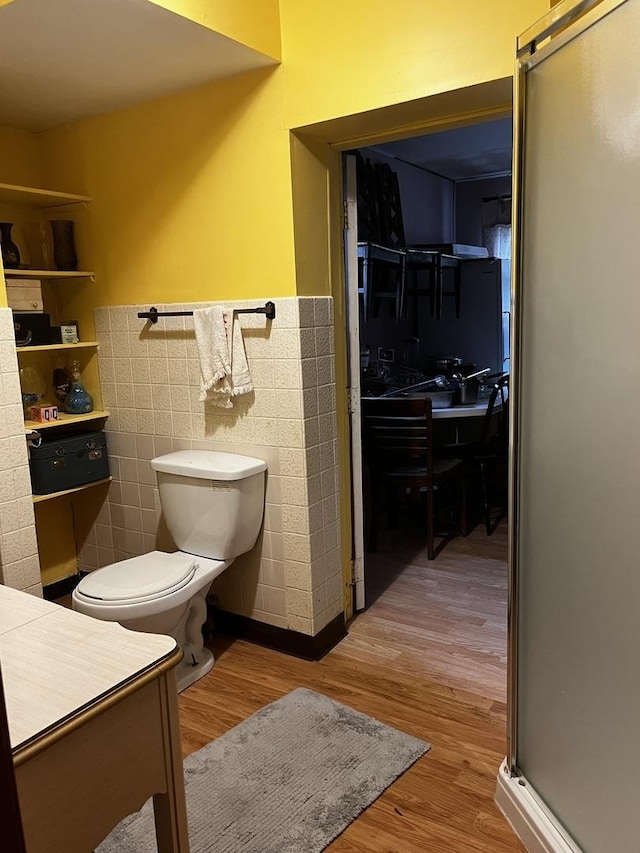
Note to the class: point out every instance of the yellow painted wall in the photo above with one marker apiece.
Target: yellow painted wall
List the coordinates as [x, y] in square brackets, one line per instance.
[56, 540]
[357, 72]
[310, 162]
[19, 164]
[192, 196]
[255, 23]
[193, 192]
[348, 57]
[19, 157]
[361, 71]
[192, 201]
[207, 195]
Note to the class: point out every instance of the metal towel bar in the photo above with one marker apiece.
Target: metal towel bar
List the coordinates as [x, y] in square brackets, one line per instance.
[269, 310]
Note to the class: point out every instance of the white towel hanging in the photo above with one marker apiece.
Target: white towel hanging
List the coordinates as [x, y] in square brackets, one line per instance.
[223, 362]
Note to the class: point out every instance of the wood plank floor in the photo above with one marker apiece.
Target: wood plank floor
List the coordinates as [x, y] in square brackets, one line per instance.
[427, 656]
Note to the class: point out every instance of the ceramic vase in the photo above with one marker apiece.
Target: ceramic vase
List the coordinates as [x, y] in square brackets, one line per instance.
[78, 401]
[64, 250]
[10, 253]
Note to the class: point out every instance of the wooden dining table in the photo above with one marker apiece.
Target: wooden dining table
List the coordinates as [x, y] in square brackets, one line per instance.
[459, 424]
[473, 410]
[93, 724]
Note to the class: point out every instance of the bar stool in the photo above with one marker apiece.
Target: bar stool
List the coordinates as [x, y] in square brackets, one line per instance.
[435, 264]
[381, 276]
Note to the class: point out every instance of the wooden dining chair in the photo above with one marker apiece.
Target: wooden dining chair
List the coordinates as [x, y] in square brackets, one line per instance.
[492, 455]
[398, 443]
[486, 460]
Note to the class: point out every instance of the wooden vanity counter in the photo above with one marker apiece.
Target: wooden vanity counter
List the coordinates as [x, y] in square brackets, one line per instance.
[93, 723]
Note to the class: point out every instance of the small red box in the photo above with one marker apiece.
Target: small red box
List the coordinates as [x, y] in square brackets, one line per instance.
[43, 414]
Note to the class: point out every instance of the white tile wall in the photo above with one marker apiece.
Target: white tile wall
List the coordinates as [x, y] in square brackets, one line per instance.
[19, 564]
[150, 378]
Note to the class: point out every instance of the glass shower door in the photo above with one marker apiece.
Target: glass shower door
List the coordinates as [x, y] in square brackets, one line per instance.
[575, 688]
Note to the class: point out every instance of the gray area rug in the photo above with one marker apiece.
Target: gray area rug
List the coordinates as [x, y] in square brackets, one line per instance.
[289, 779]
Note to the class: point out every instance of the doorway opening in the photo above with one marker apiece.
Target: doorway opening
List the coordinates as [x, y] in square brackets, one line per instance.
[441, 202]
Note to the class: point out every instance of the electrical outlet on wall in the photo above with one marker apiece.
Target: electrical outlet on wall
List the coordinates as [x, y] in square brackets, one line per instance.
[386, 354]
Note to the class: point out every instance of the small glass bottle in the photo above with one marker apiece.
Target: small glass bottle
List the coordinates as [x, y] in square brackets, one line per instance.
[32, 386]
[78, 401]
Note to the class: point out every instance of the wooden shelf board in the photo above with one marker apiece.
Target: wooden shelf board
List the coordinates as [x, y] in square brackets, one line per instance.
[64, 420]
[15, 194]
[39, 498]
[48, 274]
[45, 347]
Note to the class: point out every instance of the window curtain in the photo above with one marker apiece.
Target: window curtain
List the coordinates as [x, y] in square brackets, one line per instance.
[496, 227]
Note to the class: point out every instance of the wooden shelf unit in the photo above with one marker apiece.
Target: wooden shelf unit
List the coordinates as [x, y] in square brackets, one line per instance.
[61, 522]
[40, 498]
[42, 358]
[37, 197]
[51, 347]
[49, 274]
[65, 420]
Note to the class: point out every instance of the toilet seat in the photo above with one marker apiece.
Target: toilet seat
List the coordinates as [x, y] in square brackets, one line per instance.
[138, 579]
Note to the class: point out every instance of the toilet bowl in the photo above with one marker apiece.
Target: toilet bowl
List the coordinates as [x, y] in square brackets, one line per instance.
[213, 505]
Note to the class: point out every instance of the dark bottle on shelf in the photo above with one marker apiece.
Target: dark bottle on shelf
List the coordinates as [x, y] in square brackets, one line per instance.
[64, 249]
[10, 253]
[61, 381]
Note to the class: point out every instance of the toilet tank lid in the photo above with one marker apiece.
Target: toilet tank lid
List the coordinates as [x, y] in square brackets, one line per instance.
[208, 464]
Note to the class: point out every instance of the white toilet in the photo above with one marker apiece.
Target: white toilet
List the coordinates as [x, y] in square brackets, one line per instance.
[213, 505]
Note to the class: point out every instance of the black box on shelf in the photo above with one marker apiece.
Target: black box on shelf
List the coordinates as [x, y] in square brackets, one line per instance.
[31, 329]
[64, 463]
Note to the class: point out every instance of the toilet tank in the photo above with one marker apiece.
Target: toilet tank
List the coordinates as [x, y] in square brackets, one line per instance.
[213, 502]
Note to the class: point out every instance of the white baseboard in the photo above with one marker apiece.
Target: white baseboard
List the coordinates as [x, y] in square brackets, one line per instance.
[531, 820]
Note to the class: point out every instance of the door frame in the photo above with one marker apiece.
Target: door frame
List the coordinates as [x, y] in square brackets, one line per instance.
[351, 339]
[350, 202]
[317, 186]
